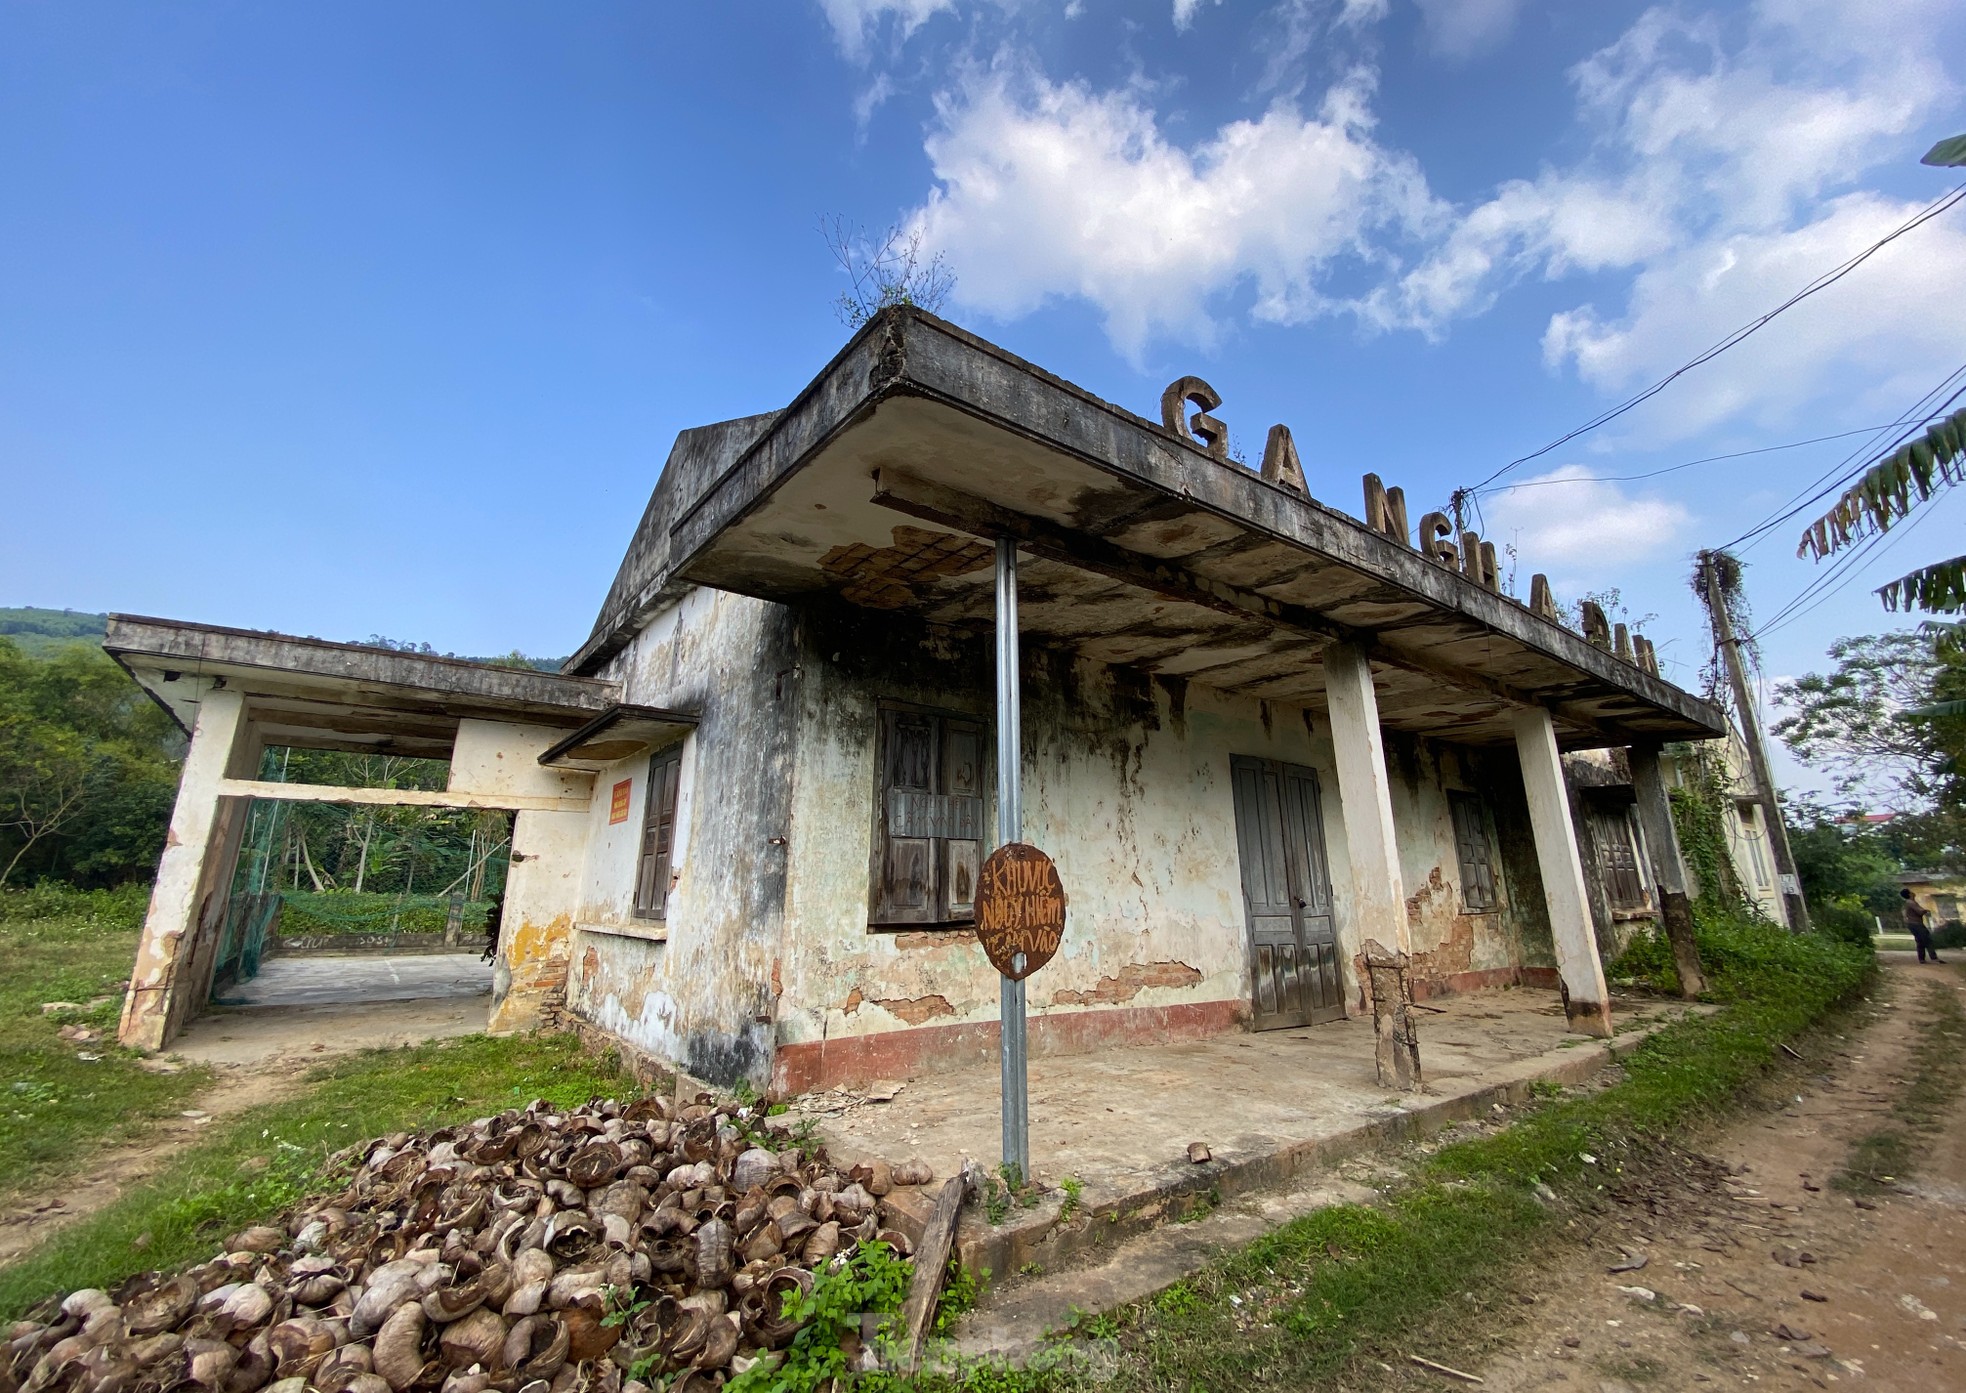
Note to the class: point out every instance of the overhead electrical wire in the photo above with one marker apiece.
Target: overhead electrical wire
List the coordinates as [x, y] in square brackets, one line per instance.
[1822, 282]
[1856, 462]
[1837, 579]
[1709, 459]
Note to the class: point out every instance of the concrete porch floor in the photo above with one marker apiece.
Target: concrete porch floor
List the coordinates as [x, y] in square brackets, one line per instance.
[322, 981]
[1268, 1105]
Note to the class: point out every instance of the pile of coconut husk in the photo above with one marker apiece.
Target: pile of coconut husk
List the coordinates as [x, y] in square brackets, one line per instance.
[540, 1251]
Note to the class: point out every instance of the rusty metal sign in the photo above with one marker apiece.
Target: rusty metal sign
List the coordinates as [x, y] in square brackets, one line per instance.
[1020, 909]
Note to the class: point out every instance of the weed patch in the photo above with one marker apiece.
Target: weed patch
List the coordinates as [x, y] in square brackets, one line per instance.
[63, 1101]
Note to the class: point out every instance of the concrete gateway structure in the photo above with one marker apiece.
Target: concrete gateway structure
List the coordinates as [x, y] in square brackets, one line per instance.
[1258, 738]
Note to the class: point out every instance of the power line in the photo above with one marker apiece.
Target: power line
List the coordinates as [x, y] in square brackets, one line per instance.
[1822, 282]
[1790, 613]
[1709, 459]
[1841, 475]
[1838, 475]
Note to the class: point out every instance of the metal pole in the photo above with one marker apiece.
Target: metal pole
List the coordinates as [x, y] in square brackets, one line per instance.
[1010, 828]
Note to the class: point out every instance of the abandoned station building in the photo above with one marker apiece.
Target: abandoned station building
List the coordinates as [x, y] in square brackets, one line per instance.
[1258, 734]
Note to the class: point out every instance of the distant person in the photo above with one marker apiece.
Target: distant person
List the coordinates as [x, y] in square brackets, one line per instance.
[1918, 921]
[495, 914]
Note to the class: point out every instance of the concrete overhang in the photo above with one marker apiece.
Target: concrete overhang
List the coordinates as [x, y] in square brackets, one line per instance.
[311, 694]
[885, 480]
[618, 733]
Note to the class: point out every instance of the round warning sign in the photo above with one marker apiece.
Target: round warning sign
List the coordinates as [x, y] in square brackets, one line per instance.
[1020, 909]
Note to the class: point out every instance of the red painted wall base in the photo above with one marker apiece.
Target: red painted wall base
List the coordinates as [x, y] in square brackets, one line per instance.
[858, 1060]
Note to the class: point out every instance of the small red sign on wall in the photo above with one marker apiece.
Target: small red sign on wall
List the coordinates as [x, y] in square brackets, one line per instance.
[618, 809]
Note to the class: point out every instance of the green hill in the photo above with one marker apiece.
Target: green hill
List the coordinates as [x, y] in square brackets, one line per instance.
[39, 632]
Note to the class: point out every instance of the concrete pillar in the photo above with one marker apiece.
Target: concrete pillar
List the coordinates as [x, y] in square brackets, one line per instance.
[1668, 867]
[1585, 1000]
[1365, 798]
[196, 866]
[543, 884]
[1382, 939]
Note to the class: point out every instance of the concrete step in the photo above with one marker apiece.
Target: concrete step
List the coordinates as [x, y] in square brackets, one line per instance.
[1015, 1319]
[1045, 1265]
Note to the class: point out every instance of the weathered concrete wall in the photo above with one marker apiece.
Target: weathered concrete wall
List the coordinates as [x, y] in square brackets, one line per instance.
[607, 884]
[766, 968]
[1127, 786]
[700, 988]
[1455, 948]
[535, 937]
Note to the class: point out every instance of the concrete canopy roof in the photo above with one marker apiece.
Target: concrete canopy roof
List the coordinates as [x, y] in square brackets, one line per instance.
[618, 733]
[884, 481]
[314, 695]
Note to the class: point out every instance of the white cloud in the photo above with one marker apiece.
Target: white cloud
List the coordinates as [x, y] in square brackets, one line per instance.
[1356, 14]
[1565, 518]
[1713, 181]
[1184, 11]
[1056, 190]
[856, 21]
[869, 101]
[1869, 343]
[1463, 29]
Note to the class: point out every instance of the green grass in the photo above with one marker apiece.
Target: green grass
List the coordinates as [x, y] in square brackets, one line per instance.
[266, 1159]
[1316, 1300]
[57, 1109]
[1938, 1071]
[1325, 1297]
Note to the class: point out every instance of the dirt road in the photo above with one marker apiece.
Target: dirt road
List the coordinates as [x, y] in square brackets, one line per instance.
[1750, 1267]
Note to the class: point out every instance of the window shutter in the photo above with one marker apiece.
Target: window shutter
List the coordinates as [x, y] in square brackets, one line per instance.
[928, 818]
[962, 787]
[1617, 855]
[1471, 848]
[658, 836]
[905, 892]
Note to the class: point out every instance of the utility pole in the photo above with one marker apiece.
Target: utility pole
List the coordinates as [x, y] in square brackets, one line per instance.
[1729, 646]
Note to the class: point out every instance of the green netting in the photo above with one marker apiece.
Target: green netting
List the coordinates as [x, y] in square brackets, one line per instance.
[249, 922]
[306, 912]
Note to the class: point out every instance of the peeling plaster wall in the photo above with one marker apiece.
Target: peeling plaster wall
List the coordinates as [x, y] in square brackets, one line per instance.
[607, 883]
[1450, 941]
[535, 937]
[766, 948]
[1127, 786]
[700, 987]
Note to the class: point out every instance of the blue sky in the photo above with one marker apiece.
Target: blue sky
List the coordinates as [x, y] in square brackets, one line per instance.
[375, 318]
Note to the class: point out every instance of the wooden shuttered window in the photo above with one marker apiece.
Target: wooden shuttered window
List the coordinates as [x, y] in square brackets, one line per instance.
[658, 850]
[928, 819]
[1617, 856]
[1471, 849]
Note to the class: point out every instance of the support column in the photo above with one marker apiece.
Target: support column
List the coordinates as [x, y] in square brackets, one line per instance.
[193, 868]
[1365, 797]
[1585, 1000]
[1011, 1007]
[1668, 868]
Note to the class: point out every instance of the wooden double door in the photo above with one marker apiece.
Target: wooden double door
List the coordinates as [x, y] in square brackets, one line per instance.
[1286, 890]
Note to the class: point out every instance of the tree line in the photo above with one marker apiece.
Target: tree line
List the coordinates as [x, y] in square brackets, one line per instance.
[89, 771]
